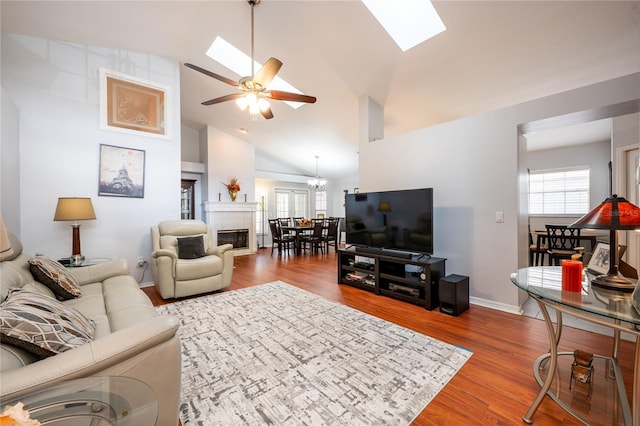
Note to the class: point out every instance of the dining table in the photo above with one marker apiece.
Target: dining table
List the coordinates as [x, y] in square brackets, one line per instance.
[299, 231]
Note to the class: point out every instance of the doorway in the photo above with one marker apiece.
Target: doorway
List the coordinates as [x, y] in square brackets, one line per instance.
[615, 111]
[630, 186]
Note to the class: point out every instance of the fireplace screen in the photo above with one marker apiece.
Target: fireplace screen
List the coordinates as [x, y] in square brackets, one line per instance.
[238, 237]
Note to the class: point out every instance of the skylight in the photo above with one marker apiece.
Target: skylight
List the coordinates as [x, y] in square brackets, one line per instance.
[409, 22]
[235, 60]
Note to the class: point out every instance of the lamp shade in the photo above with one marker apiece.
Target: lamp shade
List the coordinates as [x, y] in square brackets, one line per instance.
[74, 208]
[384, 207]
[613, 213]
[6, 250]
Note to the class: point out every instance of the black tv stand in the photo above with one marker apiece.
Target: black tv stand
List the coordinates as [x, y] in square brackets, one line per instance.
[384, 273]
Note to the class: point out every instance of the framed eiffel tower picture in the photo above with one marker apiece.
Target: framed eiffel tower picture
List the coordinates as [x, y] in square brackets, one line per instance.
[121, 172]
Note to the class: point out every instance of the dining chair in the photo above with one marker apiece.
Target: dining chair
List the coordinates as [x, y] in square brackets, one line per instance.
[341, 226]
[316, 238]
[278, 239]
[331, 236]
[562, 243]
[537, 248]
[284, 221]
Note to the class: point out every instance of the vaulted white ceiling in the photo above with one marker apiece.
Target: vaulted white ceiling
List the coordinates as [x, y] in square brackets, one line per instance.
[493, 54]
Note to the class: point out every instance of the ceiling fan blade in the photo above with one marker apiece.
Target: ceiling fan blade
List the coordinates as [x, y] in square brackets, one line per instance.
[293, 97]
[212, 74]
[267, 113]
[268, 72]
[223, 99]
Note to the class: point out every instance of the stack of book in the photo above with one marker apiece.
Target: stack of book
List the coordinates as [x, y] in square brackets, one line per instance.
[361, 277]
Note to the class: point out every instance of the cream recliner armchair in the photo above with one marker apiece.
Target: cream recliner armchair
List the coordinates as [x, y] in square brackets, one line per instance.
[184, 262]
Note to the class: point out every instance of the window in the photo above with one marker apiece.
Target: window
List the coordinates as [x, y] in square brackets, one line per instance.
[291, 203]
[559, 192]
[300, 204]
[321, 204]
[282, 204]
[262, 211]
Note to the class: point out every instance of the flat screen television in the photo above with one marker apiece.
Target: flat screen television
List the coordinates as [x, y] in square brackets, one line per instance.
[398, 220]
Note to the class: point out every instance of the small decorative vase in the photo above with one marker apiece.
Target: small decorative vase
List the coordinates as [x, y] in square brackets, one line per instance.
[233, 194]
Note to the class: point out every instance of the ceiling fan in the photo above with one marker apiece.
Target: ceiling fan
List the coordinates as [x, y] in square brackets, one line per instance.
[253, 89]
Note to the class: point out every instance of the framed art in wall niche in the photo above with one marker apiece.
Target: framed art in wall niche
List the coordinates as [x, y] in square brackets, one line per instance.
[133, 105]
[121, 172]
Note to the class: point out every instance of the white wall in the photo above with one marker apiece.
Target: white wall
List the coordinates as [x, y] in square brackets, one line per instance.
[474, 167]
[10, 164]
[55, 87]
[625, 132]
[229, 157]
[190, 144]
[337, 188]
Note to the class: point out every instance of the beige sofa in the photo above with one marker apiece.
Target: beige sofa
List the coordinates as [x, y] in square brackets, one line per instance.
[130, 339]
[206, 268]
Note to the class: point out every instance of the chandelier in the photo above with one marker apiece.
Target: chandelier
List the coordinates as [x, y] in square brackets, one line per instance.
[317, 184]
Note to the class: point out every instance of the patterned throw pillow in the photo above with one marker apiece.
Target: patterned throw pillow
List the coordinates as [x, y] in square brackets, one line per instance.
[55, 276]
[190, 247]
[41, 324]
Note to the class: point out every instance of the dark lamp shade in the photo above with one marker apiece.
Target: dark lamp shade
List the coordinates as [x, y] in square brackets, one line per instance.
[613, 213]
[74, 209]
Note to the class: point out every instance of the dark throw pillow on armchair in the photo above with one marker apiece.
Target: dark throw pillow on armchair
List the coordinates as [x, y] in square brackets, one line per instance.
[191, 247]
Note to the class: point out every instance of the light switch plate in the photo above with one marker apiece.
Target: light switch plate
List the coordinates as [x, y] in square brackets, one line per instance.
[499, 217]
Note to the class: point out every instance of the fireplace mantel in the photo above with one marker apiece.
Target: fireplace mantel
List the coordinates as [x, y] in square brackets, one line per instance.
[225, 215]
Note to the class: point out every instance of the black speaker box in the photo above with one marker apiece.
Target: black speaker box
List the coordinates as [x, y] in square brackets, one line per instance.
[453, 292]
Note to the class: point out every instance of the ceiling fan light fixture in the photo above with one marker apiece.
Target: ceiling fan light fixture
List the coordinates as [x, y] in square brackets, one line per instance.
[263, 104]
[242, 102]
[237, 61]
[254, 102]
[253, 87]
[252, 99]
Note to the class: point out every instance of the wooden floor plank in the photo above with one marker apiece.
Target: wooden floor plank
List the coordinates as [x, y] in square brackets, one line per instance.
[494, 387]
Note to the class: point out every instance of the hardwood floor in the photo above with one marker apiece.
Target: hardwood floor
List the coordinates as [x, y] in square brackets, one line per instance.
[495, 387]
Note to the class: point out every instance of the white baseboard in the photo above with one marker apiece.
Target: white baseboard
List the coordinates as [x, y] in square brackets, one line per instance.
[497, 306]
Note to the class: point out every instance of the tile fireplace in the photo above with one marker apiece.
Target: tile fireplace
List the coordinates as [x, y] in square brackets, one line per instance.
[238, 237]
[227, 218]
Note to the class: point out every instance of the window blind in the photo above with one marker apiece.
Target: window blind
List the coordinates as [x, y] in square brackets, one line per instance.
[559, 192]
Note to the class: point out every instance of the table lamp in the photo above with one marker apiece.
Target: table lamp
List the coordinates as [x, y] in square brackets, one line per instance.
[384, 207]
[6, 250]
[615, 213]
[75, 209]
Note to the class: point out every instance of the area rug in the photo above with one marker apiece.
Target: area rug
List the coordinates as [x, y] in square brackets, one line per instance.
[278, 355]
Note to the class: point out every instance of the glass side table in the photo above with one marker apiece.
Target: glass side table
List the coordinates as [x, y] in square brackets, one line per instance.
[95, 401]
[67, 263]
[597, 305]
